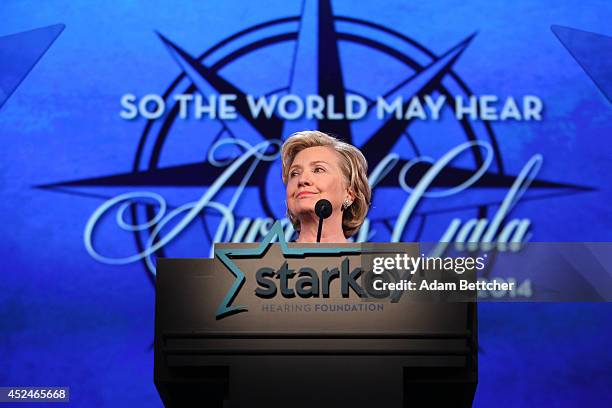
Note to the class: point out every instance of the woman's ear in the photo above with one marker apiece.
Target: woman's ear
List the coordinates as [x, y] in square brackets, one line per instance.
[350, 195]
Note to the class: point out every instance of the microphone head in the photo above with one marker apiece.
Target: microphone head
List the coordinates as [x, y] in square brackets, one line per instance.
[323, 208]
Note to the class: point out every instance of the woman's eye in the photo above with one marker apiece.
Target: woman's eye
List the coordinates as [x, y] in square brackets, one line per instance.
[293, 174]
[319, 169]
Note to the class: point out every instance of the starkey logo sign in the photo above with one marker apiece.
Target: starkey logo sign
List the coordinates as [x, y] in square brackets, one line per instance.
[338, 271]
[267, 288]
[379, 273]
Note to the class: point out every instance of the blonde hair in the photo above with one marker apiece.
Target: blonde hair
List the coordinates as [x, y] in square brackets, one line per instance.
[354, 168]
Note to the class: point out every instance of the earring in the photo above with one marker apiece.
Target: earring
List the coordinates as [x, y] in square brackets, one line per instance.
[345, 204]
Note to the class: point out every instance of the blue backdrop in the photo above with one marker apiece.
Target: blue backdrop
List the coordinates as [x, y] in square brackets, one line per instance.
[76, 308]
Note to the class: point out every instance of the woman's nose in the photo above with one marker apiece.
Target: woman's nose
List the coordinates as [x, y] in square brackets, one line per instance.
[304, 179]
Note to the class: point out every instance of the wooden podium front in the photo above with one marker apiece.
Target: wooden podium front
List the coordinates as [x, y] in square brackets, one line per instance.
[222, 338]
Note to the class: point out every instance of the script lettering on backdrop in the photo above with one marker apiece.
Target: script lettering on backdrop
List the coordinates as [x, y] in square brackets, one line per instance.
[477, 231]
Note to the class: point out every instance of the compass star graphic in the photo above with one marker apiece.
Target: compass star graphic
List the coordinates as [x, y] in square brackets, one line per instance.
[320, 46]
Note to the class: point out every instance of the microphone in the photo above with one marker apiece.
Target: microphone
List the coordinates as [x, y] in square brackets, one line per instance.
[323, 209]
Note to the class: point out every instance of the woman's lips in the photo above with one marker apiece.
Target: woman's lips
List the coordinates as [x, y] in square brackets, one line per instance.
[302, 194]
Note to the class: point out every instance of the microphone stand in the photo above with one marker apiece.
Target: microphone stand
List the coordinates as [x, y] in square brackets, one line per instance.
[320, 229]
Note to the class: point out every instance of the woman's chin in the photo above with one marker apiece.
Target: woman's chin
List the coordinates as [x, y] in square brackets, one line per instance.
[304, 211]
[305, 204]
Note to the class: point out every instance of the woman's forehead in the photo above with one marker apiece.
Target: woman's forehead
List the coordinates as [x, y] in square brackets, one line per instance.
[316, 154]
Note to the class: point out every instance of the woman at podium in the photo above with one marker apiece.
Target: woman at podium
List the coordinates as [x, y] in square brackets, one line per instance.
[317, 166]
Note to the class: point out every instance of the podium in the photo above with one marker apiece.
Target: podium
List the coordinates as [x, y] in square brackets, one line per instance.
[287, 325]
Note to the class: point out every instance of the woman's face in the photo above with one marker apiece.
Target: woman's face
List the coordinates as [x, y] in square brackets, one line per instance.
[315, 174]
